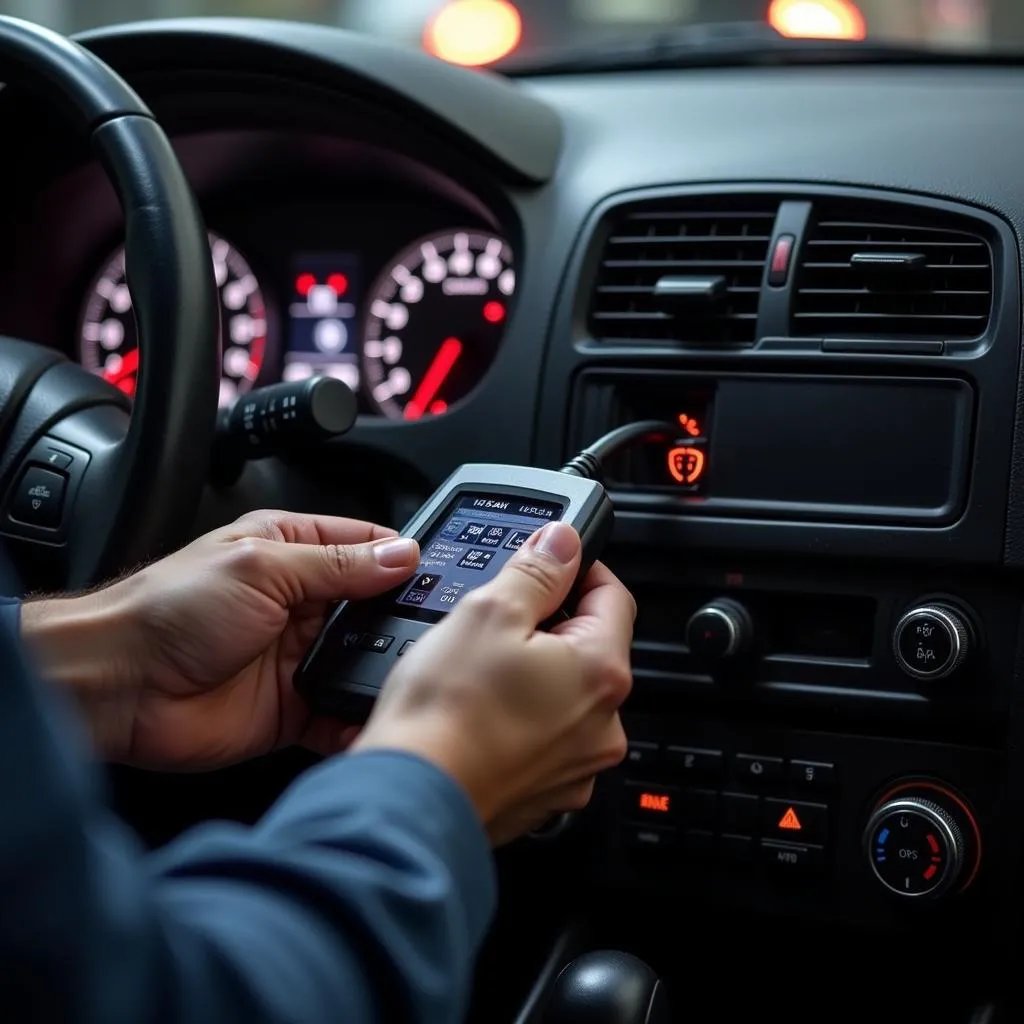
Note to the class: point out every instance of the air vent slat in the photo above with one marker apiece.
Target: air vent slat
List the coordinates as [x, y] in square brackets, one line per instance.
[947, 295]
[725, 237]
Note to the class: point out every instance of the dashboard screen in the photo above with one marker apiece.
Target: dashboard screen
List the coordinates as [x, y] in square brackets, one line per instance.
[323, 324]
[470, 545]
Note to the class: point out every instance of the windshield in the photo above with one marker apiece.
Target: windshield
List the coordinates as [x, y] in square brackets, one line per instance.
[481, 32]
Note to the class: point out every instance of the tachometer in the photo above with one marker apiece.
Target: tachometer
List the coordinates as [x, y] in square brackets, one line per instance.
[436, 318]
[108, 339]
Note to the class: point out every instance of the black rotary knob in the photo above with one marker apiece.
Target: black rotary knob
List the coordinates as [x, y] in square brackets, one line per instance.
[922, 841]
[720, 629]
[932, 641]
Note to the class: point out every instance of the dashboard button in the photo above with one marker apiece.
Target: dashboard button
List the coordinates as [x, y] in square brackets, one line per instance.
[406, 647]
[39, 498]
[797, 858]
[736, 849]
[57, 459]
[699, 808]
[782, 254]
[756, 768]
[642, 755]
[812, 774]
[695, 762]
[376, 642]
[740, 814]
[650, 837]
[794, 821]
[649, 802]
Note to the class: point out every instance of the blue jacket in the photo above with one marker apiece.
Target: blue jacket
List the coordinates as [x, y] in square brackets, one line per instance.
[363, 895]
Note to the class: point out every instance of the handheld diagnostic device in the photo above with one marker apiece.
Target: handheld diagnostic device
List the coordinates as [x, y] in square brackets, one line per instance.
[472, 525]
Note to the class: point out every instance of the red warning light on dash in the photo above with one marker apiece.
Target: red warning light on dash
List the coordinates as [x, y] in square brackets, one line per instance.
[686, 464]
[656, 803]
[690, 424]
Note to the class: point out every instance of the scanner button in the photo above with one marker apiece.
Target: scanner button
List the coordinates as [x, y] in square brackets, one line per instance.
[377, 642]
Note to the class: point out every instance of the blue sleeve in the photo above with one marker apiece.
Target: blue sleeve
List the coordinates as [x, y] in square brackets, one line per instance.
[363, 895]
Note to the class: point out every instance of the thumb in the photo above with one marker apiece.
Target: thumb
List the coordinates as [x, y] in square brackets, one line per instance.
[538, 578]
[329, 572]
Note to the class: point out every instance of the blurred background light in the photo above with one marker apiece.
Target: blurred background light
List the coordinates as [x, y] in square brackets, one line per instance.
[817, 19]
[474, 32]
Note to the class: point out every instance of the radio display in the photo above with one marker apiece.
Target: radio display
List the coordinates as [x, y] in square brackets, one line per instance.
[470, 544]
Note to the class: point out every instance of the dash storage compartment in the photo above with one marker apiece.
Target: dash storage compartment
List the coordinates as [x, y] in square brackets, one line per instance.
[893, 449]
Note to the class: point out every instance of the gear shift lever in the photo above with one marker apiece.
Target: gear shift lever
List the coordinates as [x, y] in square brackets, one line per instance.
[607, 987]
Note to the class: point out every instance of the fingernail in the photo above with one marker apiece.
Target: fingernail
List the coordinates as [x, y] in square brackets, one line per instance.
[558, 541]
[397, 553]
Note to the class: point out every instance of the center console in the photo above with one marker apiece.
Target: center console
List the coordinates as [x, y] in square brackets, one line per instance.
[822, 719]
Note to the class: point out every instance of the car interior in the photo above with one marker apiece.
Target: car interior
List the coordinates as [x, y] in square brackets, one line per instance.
[804, 256]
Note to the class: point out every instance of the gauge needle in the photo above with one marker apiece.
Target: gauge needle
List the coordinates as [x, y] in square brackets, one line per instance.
[129, 364]
[436, 375]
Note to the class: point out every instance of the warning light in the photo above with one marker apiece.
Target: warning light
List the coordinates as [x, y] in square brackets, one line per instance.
[817, 19]
[790, 821]
[474, 32]
[689, 424]
[660, 803]
[304, 284]
[494, 312]
[338, 283]
[686, 464]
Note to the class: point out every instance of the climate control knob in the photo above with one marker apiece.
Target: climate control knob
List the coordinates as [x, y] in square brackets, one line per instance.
[932, 641]
[720, 629]
[922, 841]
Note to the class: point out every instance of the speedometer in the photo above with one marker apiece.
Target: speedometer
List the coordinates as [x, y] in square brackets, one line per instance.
[437, 315]
[108, 339]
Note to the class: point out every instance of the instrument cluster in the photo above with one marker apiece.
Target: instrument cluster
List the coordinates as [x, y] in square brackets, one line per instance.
[412, 333]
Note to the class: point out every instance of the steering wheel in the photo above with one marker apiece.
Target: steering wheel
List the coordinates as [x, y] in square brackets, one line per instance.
[85, 488]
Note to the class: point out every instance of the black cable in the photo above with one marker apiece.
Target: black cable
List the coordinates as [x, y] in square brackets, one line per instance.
[591, 462]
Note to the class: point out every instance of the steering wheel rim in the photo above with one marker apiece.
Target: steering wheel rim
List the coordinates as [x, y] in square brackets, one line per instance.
[142, 486]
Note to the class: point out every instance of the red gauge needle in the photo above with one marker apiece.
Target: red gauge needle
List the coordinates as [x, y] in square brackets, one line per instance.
[129, 364]
[436, 375]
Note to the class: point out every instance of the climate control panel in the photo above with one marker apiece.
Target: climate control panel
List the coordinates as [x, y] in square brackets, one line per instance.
[749, 817]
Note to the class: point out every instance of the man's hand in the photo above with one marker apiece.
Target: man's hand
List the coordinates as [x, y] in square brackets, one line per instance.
[188, 663]
[523, 720]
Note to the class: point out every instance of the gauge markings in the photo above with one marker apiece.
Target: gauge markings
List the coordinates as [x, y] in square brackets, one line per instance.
[108, 337]
[435, 319]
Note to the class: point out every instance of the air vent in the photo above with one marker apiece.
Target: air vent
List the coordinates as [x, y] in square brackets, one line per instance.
[687, 271]
[880, 270]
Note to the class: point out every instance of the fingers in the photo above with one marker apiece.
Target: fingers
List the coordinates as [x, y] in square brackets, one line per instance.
[294, 573]
[605, 612]
[537, 579]
[298, 528]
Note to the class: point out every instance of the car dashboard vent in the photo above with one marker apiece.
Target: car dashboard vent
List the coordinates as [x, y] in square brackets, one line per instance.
[881, 270]
[687, 271]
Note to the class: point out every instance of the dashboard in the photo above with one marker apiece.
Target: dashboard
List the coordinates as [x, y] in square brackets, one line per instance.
[816, 272]
[402, 295]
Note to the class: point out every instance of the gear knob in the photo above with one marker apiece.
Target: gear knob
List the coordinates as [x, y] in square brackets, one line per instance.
[607, 987]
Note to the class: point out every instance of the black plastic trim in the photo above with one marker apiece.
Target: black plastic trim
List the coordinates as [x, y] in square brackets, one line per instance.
[519, 133]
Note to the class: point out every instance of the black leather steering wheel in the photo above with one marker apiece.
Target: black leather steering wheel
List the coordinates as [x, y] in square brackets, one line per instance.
[86, 490]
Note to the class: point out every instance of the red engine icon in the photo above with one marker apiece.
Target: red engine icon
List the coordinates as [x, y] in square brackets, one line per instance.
[686, 464]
